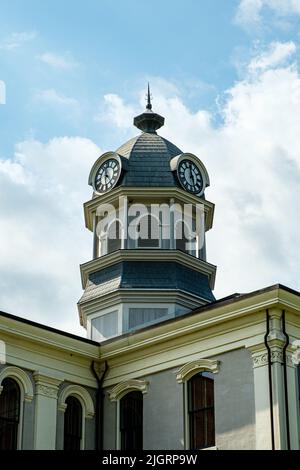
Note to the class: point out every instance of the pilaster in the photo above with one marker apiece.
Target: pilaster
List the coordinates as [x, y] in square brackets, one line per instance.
[45, 411]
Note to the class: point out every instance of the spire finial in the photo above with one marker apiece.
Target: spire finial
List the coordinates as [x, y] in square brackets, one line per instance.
[149, 105]
[149, 121]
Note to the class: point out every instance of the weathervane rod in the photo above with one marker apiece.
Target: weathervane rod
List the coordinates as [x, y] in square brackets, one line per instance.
[149, 105]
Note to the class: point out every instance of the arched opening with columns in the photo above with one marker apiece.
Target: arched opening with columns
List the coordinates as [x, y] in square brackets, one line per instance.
[197, 378]
[10, 408]
[15, 388]
[77, 405]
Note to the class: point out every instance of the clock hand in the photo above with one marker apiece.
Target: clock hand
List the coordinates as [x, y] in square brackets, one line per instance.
[192, 175]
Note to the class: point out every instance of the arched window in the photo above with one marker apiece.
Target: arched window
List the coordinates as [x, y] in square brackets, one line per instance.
[149, 232]
[131, 421]
[73, 424]
[201, 413]
[9, 414]
[182, 240]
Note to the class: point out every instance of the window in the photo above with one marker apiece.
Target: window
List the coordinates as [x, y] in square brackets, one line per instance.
[9, 414]
[201, 411]
[131, 421]
[183, 242]
[73, 424]
[105, 326]
[149, 232]
[141, 316]
[114, 237]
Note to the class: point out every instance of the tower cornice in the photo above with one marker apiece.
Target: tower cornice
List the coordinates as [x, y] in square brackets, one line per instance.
[147, 195]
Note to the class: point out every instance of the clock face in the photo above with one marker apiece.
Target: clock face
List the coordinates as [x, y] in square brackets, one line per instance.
[107, 175]
[190, 176]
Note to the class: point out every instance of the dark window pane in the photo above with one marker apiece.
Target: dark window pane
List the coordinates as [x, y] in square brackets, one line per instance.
[201, 412]
[131, 421]
[9, 414]
[151, 227]
[114, 237]
[73, 424]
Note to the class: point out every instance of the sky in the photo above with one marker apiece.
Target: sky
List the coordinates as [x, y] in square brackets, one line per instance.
[224, 74]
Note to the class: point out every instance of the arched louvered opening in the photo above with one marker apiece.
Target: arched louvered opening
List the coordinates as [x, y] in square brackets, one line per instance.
[73, 424]
[201, 412]
[114, 237]
[149, 232]
[131, 421]
[183, 241]
[10, 404]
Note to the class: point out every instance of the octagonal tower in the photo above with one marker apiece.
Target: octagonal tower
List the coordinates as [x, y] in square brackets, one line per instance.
[148, 215]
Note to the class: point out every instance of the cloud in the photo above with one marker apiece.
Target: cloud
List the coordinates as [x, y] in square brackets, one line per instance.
[250, 12]
[16, 40]
[57, 61]
[115, 111]
[42, 235]
[276, 54]
[52, 97]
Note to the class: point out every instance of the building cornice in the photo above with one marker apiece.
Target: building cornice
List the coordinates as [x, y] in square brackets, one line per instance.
[147, 195]
[16, 327]
[185, 299]
[240, 311]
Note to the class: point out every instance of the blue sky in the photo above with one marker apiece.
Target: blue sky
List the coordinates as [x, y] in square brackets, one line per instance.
[111, 46]
[224, 73]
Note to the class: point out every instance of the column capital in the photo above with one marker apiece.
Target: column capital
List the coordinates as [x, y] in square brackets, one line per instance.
[46, 385]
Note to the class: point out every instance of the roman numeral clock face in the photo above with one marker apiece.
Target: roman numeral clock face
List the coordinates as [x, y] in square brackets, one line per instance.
[107, 175]
[190, 176]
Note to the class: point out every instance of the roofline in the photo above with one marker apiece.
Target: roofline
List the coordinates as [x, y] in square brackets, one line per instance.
[231, 299]
[48, 328]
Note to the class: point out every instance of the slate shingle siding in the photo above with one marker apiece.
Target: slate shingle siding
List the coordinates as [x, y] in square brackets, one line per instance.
[150, 275]
[149, 158]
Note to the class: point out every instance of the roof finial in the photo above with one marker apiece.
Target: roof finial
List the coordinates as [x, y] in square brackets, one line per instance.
[149, 121]
[149, 105]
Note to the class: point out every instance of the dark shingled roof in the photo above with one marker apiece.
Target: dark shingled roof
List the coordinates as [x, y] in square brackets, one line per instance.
[149, 158]
[150, 275]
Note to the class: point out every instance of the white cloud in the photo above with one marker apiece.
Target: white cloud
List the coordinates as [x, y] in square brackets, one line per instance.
[42, 235]
[57, 61]
[51, 96]
[15, 40]
[116, 111]
[276, 54]
[250, 12]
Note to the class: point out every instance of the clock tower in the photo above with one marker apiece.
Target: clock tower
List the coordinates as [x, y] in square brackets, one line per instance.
[148, 215]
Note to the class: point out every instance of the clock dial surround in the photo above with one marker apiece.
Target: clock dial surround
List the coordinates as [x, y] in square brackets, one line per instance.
[190, 176]
[107, 175]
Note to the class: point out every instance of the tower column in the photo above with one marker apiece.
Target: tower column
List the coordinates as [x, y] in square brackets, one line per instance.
[172, 226]
[95, 241]
[123, 215]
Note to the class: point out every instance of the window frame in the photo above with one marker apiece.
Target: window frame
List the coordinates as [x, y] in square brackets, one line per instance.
[21, 409]
[119, 431]
[159, 239]
[188, 413]
[82, 437]
[26, 392]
